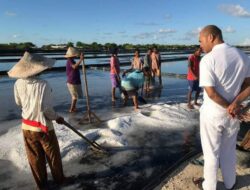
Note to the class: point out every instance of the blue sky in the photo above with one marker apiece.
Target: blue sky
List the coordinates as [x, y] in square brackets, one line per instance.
[122, 21]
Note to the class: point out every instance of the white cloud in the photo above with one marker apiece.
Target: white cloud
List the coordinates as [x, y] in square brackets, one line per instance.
[9, 13]
[168, 17]
[234, 10]
[246, 42]
[122, 32]
[166, 31]
[229, 29]
[144, 35]
[147, 23]
[16, 35]
[107, 33]
[192, 34]
[162, 33]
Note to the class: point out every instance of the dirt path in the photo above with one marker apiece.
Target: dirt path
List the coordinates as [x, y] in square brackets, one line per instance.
[182, 177]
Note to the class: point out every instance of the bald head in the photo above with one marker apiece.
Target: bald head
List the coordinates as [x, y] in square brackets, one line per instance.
[213, 30]
[210, 36]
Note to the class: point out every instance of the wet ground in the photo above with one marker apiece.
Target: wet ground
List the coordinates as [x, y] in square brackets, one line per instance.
[150, 154]
[99, 90]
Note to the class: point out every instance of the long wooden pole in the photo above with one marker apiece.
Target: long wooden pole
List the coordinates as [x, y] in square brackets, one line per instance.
[86, 90]
[89, 112]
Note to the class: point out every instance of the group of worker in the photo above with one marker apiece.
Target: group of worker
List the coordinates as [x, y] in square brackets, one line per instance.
[224, 75]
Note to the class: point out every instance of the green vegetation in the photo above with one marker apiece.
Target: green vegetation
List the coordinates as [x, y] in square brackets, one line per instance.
[93, 47]
[19, 46]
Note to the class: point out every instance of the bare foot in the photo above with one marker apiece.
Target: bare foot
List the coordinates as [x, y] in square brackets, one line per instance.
[190, 106]
[197, 104]
[72, 110]
[124, 104]
[137, 109]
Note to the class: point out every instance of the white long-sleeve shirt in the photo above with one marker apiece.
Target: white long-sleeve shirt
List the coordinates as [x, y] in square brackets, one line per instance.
[34, 96]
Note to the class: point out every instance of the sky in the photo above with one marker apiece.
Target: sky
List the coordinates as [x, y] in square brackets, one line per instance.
[122, 21]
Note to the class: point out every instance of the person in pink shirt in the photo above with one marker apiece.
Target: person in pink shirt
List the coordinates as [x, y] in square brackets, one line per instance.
[114, 73]
[193, 77]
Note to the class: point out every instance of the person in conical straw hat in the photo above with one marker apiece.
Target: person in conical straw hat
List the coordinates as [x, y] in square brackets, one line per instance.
[34, 96]
[73, 76]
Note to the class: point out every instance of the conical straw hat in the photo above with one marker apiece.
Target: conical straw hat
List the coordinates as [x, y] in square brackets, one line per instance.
[72, 52]
[30, 65]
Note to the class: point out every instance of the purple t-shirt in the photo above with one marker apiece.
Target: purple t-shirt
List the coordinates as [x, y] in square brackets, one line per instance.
[73, 75]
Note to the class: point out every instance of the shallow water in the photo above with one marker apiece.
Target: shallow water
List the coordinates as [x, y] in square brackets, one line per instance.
[99, 90]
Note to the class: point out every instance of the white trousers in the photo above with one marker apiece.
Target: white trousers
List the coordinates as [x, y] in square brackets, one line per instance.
[218, 140]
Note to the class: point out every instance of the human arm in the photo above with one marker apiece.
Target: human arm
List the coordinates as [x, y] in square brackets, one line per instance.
[159, 60]
[235, 106]
[215, 96]
[46, 106]
[76, 65]
[190, 69]
[16, 95]
[141, 63]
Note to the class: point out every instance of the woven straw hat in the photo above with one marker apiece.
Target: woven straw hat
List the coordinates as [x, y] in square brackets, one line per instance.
[72, 52]
[30, 65]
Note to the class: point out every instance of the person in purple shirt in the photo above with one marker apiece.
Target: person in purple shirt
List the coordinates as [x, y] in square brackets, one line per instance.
[73, 76]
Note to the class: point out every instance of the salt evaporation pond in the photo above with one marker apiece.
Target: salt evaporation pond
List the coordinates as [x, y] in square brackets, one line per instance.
[144, 144]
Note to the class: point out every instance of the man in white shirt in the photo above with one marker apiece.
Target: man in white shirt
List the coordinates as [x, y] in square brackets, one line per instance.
[223, 70]
[34, 96]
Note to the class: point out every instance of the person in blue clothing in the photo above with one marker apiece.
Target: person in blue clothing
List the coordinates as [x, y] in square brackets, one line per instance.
[131, 83]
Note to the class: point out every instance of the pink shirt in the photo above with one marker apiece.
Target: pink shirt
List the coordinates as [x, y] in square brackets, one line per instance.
[114, 65]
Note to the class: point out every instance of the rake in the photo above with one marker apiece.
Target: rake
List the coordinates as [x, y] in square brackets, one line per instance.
[95, 145]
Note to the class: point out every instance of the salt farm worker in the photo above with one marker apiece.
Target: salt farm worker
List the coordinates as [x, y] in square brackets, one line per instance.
[156, 65]
[34, 96]
[137, 62]
[131, 83]
[73, 76]
[134, 79]
[147, 68]
[223, 70]
[193, 77]
[114, 73]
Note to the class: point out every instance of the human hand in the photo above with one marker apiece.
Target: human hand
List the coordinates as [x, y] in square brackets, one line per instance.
[234, 109]
[60, 120]
[81, 56]
[195, 77]
[123, 74]
[118, 78]
[244, 117]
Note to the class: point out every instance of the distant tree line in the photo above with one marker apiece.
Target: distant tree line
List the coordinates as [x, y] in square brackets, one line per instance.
[20, 46]
[94, 47]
